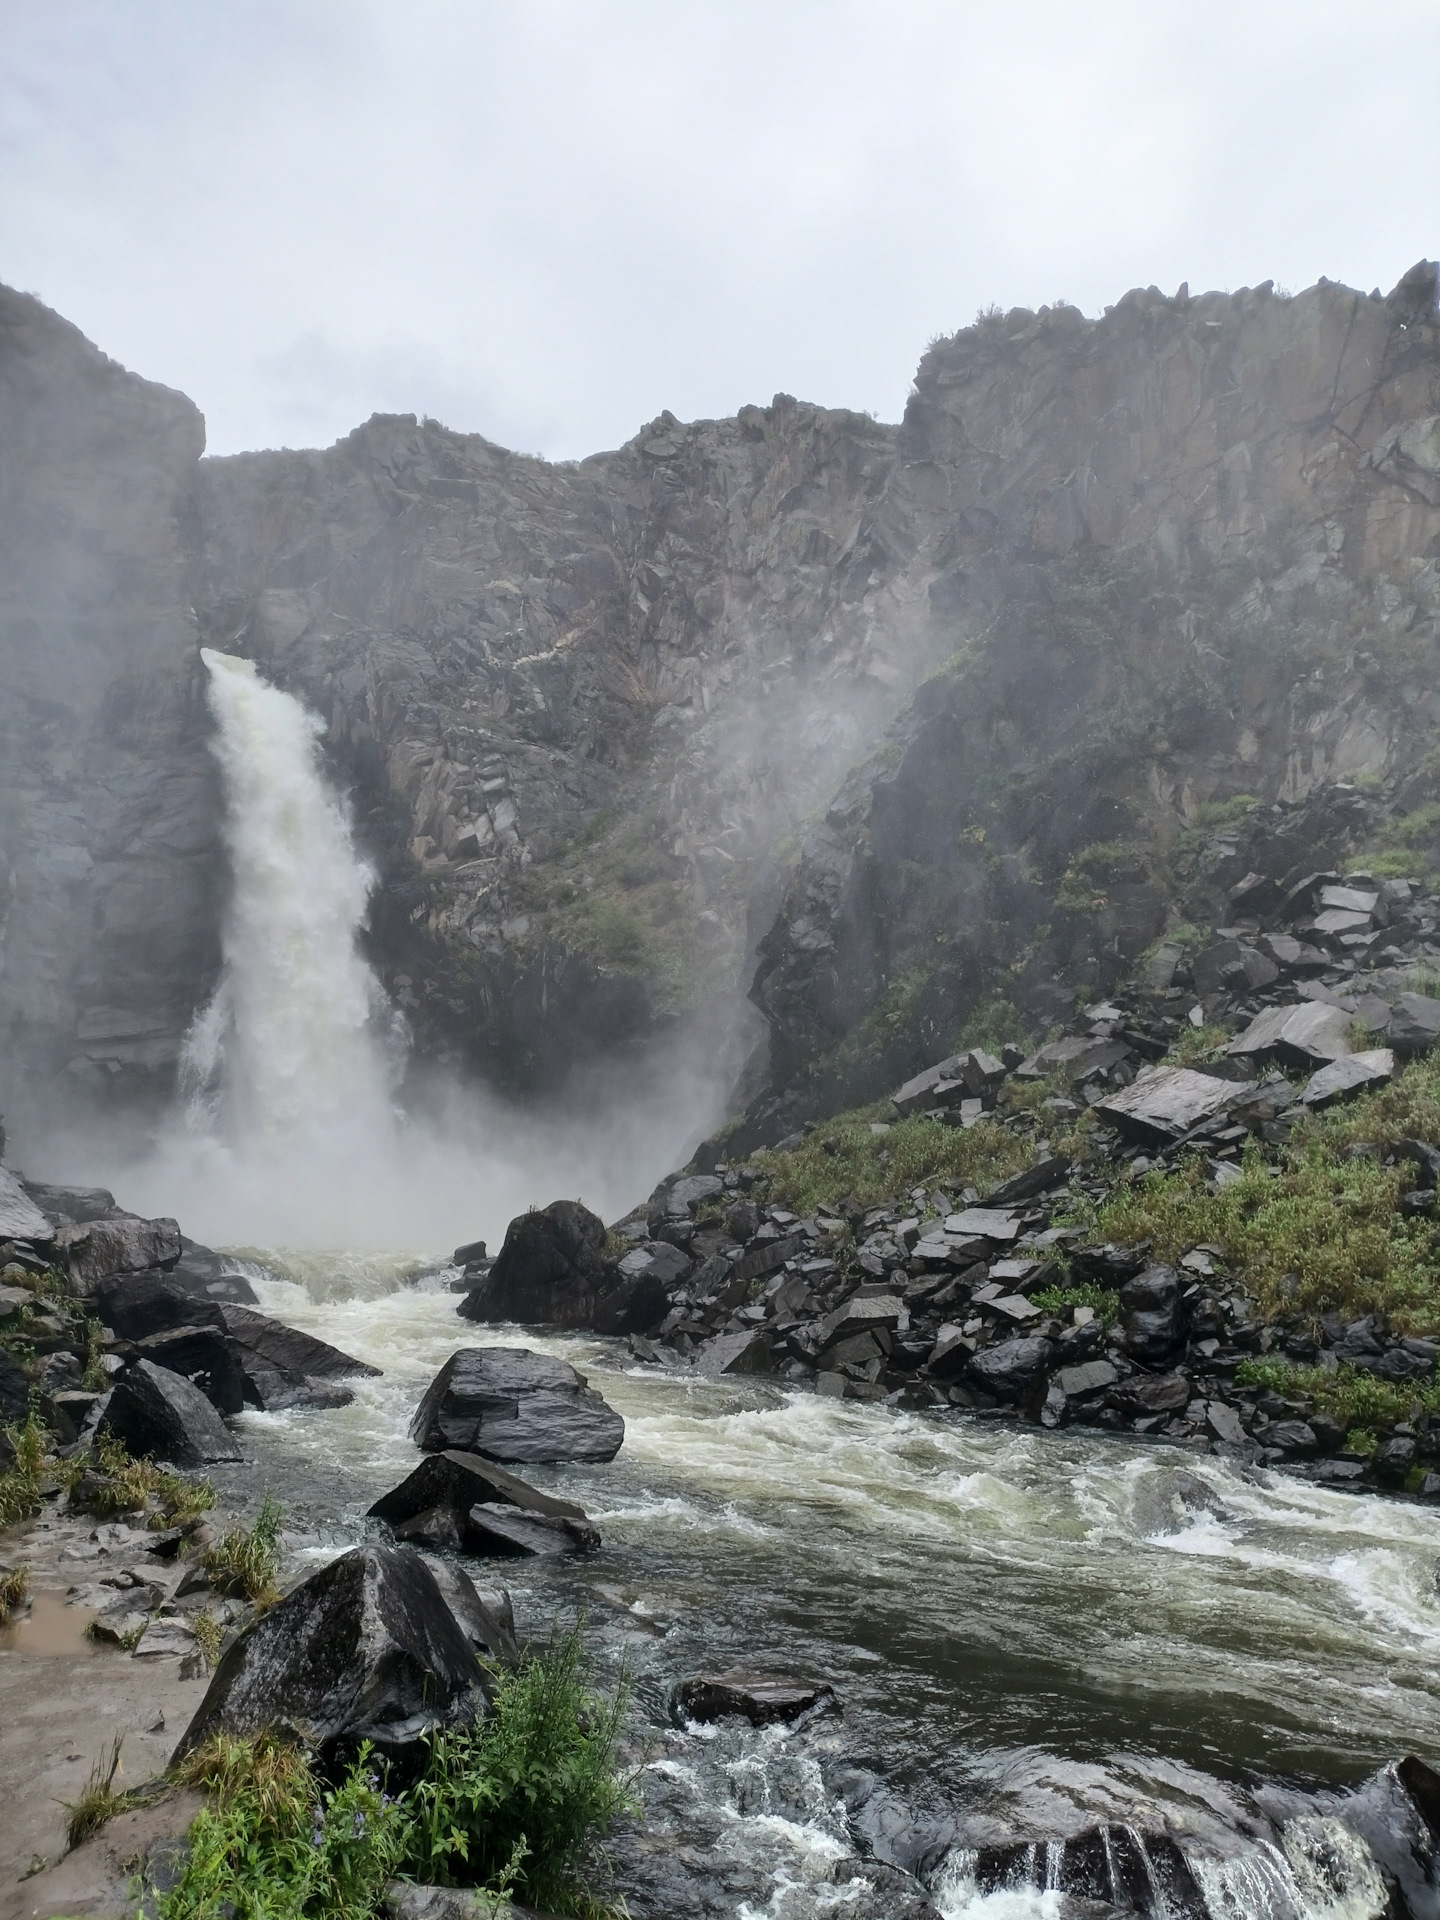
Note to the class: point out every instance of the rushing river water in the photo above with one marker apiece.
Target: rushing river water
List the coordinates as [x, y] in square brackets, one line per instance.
[1030, 1633]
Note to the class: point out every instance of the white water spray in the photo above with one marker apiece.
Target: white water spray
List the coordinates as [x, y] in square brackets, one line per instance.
[297, 1048]
[288, 1133]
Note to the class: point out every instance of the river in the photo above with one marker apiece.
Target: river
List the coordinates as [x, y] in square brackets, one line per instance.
[1029, 1632]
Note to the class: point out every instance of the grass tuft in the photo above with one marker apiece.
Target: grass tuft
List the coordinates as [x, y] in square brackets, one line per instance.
[14, 1591]
[99, 1800]
[20, 1487]
[246, 1560]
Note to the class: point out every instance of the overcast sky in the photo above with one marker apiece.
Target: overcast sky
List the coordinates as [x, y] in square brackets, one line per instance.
[546, 220]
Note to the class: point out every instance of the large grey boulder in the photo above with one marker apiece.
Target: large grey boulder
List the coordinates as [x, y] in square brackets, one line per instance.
[509, 1403]
[551, 1272]
[71, 1206]
[160, 1415]
[1307, 1033]
[463, 1480]
[1011, 1368]
[123, 1243]
[1166, 1102]
[366, 1649]
[1414, 1024]
[284, 1367]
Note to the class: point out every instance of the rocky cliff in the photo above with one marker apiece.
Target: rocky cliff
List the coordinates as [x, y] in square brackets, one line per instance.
[1105, 574]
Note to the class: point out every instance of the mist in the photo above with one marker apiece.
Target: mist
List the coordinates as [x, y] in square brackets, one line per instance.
[288, 1128]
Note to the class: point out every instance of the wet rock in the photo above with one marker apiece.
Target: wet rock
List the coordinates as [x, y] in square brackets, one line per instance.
[1152, 1313]
[20, 1218]
[485, 1616]
[1224, 1424]
[366, 1649]
[1229, 966]
[70, 1206]
[768, 1256]
[288, 1350]
[14, 1391]
[761, 1698]
[1296, 1439]
[206, 1357]
[1166, 1102]
[1393, 1459]
[1414, 1023]
[122, 1243]
[1011, 1368]
[1353, 1073]
[1147, 1393]
[750, 1351]
[139, 1305]
[160, 1415]
[435, 1507]
[509, 1403]
[1090, 1377]
[500, 1529]
[551, 1271]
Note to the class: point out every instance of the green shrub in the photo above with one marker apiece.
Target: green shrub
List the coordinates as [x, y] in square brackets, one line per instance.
[843, 1158]
[520, 1800]
[134, 1483]
[276, 1844]
[528, 1791]
[1064, 1299]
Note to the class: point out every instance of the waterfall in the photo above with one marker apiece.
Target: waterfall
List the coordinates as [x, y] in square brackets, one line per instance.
[296, 1051]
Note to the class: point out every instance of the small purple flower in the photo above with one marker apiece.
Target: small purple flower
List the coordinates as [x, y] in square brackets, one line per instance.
[359, 1823]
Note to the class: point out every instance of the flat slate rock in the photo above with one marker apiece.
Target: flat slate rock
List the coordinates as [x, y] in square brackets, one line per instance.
[1307, 1030]
[1166, 1102]
[749, 1352]
[495, 1528]
[509, 1403]
[1045, 1174]
[290, 1349]
[986, 1223]
[463, 1480]
[1414, 1022]
[761, 1698]
[1351, 1074]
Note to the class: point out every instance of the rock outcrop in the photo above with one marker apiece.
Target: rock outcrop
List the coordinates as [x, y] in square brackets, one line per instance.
[507, 1403]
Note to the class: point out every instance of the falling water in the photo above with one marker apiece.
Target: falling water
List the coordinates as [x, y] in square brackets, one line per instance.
[297, 1049]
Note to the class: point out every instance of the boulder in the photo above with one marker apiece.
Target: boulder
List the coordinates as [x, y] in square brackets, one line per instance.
[1306, 1033]
[551, 1271]
[1229, 966]
[748, 1352]
[70, 1206]
[138, 1305]
[1153, 1313]
[500, 1529]
[509, 1403]
[486, 1618]
[160, 1415]
[206, 1357]
[761, 1698]
[1150, 1393]
[284, 1367]
[1353, 1073]
[20, 1218]
[986, 1223]
[1046, 1173]
[1166, 1102]
[1011, 1368]
[366, 1649]
[460, 1481]
[122, 1243]
[1414, 1023]
[14, 1391]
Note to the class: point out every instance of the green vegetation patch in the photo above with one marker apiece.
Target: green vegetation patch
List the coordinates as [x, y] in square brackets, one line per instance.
[519, 1803]
[1103, 1301]
[1357, 1398]
[1316, 1235]
[846, 1159]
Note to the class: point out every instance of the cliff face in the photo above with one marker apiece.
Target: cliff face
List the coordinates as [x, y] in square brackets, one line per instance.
[1182, 552]
[109, 888]
[578, 705]
[1192, 552]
